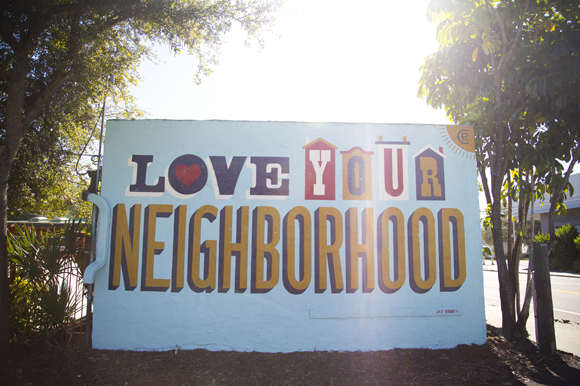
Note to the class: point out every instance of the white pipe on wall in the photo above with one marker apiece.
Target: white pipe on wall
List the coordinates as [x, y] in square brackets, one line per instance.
[103, 237]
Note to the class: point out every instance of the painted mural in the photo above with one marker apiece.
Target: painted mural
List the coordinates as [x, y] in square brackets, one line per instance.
[289, 236]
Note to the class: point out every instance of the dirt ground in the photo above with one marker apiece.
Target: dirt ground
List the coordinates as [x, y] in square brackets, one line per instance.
[497, 362]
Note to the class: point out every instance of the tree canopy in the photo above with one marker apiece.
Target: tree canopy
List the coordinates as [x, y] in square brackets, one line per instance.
[57, 54]
[48, 174]
[510, 68]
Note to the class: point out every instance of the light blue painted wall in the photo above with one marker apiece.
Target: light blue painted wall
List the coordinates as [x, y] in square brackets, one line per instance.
[278, 321]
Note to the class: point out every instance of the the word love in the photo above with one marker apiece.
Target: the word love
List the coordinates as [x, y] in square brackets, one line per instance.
[188, 174]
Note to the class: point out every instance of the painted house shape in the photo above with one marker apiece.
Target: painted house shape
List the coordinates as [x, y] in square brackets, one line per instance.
[357, 174]
[320, 170]
[430, 174]
[393, 169]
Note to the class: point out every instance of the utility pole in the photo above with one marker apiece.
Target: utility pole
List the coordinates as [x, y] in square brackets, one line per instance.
[95, 188]
[545, 333]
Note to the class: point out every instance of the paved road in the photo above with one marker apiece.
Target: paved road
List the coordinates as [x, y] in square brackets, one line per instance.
[566, 299]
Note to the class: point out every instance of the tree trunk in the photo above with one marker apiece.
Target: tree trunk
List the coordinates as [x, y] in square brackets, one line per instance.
[523, 207]
[8, 150]
[512, 253]
[515, 271]
[545, 328]
[5, 164]
[505, 288]
[524, 314]
[4, 290]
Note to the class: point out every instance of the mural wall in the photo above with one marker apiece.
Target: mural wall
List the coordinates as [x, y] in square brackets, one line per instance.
[289, 236]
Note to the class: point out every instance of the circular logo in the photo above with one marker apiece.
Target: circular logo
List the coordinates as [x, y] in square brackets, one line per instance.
[463, 137]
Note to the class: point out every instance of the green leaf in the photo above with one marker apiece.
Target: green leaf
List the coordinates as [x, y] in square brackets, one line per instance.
[487, 48]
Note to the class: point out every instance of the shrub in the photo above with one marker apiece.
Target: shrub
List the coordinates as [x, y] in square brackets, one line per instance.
[565, 255]
[42, 302]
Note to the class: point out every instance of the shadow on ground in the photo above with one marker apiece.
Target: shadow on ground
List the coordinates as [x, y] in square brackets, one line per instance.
[497, 362]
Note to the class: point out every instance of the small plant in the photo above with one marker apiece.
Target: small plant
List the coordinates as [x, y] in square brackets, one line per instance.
[43, 303]
[542, 238]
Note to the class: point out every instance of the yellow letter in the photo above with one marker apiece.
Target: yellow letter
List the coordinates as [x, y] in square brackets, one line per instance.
[292, 285]
[323, 250]
[209, 247]
[429, 169]
[365, 250]
[239, 249]
[177, 268]
[454, 216]
[151, 247]
[383, 235]
[425, 217]
[265, 253]
[126, 247]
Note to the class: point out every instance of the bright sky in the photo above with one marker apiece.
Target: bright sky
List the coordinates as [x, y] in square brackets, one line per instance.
[334, 61]
[331, 61]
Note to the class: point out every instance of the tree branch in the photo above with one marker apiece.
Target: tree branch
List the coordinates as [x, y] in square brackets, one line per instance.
[507, 55]
[484, 182]
[500, 23]
[32, 110]
[75, 22]
[505, 59]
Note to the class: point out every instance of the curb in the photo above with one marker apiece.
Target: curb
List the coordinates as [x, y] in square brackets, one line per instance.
[552, 273]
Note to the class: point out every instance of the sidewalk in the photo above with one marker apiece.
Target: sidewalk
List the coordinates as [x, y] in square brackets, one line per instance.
[567, 334]
[524, 269]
